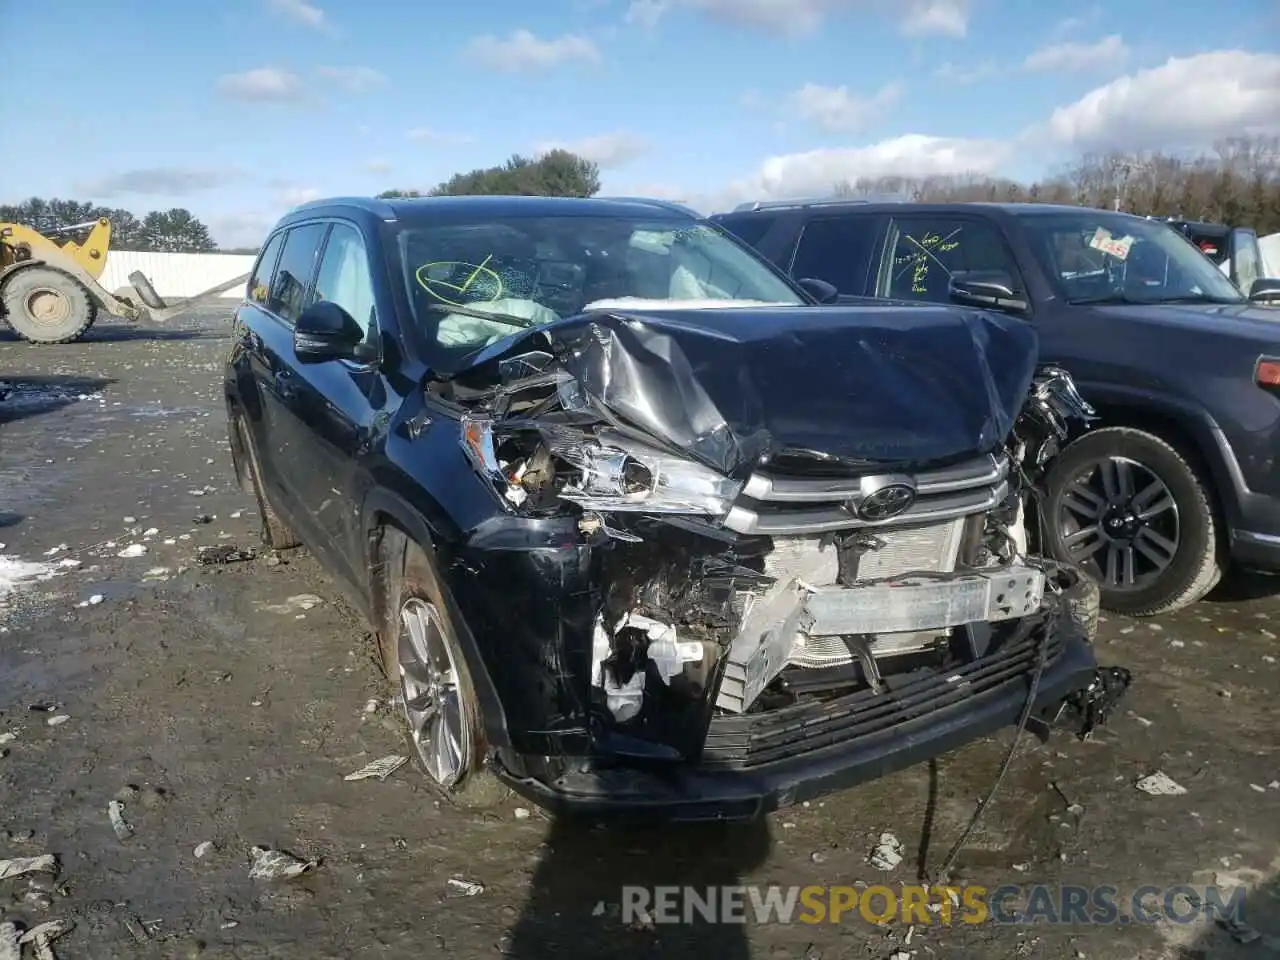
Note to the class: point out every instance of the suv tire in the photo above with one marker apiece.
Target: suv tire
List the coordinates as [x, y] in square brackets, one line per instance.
[410, 590]
[1121, 499]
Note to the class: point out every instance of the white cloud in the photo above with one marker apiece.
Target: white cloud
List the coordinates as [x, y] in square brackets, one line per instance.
[263, 84]
[802, 17]
[1079, 21]
[296, 195]
[606, 149]
[300, 12]
[645, 13]
[948, 18]
[157, 182]
[654, 190]
[836, 110]
[522, 51]
[1187, 102]
[815, 172]
[431, 135]
[953, 73]
[240, 230]
[1070, 57]
[355, 79]
[377, 165]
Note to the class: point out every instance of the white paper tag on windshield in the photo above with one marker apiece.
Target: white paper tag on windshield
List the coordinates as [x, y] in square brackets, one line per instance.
[1104, 241]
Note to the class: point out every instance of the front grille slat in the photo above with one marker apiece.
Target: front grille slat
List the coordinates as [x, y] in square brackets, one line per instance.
[780, 506]
[752, 740]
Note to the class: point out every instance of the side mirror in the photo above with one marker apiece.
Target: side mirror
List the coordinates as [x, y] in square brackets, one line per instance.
[988, 294]
[325, 331]
[1266, 290]
[820, 290]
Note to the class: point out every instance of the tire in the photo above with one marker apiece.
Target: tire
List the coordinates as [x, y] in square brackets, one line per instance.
[44, 305]
[276, 534]
[1160, 520]
[410, 590]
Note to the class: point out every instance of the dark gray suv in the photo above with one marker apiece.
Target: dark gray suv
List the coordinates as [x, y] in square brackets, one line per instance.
[1181, 475]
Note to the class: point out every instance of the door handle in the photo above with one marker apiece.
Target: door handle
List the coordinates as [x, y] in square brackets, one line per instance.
[284, 380]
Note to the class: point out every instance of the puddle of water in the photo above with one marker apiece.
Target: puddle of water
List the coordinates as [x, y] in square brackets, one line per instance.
[26, 400]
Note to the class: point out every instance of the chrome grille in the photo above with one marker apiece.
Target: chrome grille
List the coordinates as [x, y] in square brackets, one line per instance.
[788, 506]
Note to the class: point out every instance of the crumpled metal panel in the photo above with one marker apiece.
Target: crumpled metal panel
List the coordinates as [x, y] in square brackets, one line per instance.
[868, 384]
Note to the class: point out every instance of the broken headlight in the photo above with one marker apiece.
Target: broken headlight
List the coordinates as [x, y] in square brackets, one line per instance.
[621, 475]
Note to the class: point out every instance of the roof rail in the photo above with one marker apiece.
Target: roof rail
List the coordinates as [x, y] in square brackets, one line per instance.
[673, 205]
[815, 202]
[375, 205]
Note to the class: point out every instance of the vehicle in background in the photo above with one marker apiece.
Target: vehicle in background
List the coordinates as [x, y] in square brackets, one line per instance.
[1181, 477]
[50, 293]
[1233, 250]
[640, 526]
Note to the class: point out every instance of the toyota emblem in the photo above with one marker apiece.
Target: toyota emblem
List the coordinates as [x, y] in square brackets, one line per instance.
[886, 502]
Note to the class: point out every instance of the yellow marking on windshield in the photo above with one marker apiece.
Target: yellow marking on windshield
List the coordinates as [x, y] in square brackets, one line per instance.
[476, 272]
[452, 293]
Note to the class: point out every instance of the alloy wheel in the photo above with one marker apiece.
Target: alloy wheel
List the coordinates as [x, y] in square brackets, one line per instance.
[1120, 521]
[432, 696]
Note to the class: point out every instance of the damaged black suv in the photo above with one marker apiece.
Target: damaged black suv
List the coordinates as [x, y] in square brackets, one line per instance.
[642, 525]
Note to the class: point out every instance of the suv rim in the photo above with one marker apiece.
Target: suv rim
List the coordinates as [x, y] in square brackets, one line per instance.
[1120, 521]
[432, 699]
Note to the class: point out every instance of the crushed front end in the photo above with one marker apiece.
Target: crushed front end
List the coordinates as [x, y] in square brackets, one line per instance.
[753, 608]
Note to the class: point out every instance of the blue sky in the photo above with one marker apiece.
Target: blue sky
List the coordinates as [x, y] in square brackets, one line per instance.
[239, 109]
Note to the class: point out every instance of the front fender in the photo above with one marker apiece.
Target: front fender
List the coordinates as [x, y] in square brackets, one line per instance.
[1122, 405]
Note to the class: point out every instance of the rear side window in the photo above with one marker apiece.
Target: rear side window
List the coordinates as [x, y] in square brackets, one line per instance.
[750, 229]
[837, 250]
[260, 282]
[297, 266]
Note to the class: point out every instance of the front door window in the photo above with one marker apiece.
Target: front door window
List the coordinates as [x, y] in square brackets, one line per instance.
[925, 253]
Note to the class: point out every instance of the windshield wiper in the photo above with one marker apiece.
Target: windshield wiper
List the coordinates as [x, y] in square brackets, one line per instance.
[1109, 298]
[509, 319]
[1150, 301]
[1201, 298]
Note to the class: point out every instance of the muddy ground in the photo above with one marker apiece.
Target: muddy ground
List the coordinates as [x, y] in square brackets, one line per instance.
[220, 711]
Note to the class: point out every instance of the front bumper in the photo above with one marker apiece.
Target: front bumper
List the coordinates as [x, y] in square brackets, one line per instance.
[756, 763]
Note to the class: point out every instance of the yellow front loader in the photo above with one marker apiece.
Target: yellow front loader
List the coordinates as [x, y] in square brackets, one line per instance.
[49, 293]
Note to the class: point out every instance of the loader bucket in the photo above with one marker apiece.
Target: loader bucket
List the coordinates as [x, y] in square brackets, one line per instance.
[158, 310]
[146, 292]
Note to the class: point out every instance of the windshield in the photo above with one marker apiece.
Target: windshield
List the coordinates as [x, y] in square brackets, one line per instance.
[473, 283]
[1096, 257]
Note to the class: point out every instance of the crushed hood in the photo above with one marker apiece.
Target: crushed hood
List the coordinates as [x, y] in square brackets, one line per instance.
[883, 385]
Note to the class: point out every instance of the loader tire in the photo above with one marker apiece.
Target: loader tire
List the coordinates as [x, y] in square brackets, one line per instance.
[44, 305]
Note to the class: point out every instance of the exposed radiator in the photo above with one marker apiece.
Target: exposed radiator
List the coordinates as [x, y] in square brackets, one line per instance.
[929, 547]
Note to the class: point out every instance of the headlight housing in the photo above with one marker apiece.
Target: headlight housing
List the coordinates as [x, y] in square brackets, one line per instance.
[618, 474]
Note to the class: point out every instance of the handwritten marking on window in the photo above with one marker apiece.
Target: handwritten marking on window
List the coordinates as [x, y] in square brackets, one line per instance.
[921, 252]
[487, 284]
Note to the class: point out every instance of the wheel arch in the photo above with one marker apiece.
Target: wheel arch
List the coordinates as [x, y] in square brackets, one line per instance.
[384, 510]
[1188, 428]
